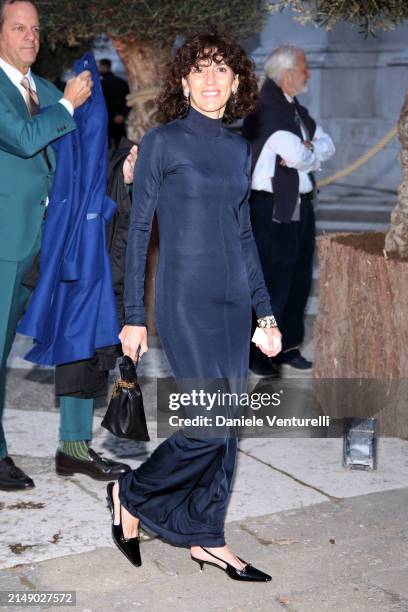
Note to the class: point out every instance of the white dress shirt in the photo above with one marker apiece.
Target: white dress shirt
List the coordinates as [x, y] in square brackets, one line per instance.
[291, 148]
[16, 77]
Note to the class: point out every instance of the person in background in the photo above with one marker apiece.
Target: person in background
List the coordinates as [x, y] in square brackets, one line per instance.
[115, 91]
[27, 166]
[288, 147]
[55, 313]
[79, 383]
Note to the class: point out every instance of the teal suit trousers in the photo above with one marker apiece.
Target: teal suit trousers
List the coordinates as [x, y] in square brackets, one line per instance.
[13, 300]
[76, 414]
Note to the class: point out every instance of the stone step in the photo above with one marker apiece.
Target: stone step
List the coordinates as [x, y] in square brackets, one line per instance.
[365, 197]
[360, 203]
[314, 291]
[349, 226]
[354, 213]
[312, 305]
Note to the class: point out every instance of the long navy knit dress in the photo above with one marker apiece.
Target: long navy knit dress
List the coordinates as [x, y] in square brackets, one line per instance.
[195, 175]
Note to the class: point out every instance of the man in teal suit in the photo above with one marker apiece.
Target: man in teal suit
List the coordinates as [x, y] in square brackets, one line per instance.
[26, 171]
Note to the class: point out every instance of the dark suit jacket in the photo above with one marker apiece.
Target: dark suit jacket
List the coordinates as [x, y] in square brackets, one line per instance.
[275, 113]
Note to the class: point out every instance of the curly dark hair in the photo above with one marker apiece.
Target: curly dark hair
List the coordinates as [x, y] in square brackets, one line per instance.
[211, 46]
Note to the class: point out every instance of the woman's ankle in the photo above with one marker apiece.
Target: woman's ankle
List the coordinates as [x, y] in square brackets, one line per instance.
[221, 555]
[130, 524]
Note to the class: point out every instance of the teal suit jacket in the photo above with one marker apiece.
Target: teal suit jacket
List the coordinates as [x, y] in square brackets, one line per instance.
[25, 179]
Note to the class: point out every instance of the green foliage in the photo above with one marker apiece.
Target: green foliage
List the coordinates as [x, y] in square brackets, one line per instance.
[157, 22]
[368, 15]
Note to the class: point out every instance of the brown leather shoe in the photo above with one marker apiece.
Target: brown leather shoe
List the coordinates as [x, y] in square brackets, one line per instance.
[97, 467]
[12, 478]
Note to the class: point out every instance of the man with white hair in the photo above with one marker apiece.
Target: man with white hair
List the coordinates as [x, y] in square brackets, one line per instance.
[287, 148]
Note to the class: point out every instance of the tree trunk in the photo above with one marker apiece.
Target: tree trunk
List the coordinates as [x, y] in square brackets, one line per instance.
[144, 66]
[397, 237]
[361, 331]
[144, 70]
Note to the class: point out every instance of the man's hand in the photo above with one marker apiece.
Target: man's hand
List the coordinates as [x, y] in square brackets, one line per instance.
[133, 337]
[78, 89]
[129, 165]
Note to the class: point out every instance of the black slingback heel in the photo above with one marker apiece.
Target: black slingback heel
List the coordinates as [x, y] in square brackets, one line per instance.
[130, 548]
[249, 573]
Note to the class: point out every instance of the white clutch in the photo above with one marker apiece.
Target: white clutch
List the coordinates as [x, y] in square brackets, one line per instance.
[260, 337]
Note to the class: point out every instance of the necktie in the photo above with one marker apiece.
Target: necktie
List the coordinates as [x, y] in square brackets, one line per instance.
[33, 105]
[32, 100]
[304, 130]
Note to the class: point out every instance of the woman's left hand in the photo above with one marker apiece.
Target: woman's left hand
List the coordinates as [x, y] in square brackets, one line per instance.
[129, 165]
[274, 342]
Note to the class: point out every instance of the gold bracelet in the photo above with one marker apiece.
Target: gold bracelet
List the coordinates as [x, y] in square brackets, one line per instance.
[267, 322]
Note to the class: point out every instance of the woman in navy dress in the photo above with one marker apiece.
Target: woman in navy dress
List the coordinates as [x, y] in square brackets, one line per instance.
[195, 174]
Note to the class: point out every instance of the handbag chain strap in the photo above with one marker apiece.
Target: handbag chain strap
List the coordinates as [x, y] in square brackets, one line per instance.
[118, 384]
[123, 383]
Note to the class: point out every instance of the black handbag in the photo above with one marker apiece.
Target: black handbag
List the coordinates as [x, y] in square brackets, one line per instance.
[125, 416]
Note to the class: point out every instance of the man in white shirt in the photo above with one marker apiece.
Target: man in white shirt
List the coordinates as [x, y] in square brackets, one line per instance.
[288, 147]
[26, 171]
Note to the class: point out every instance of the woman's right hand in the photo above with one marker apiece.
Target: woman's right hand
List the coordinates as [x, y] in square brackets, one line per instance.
[133, 336]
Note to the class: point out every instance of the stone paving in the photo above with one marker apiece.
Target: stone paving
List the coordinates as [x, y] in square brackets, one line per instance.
[333, 539]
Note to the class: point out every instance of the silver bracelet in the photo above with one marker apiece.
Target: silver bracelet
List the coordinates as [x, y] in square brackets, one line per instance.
[267, 322]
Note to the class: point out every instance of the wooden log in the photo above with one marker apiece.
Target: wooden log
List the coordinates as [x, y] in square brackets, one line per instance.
[361, 332]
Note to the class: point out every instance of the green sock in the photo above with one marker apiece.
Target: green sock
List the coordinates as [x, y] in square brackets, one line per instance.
[78, 449]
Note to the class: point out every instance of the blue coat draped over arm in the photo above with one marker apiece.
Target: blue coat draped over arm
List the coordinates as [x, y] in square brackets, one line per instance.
[72, 310]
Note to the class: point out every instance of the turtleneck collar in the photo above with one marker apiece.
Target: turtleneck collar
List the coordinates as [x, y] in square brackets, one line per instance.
[201, 124]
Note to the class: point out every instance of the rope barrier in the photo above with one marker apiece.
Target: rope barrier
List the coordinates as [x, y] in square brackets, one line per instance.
[361, 160]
